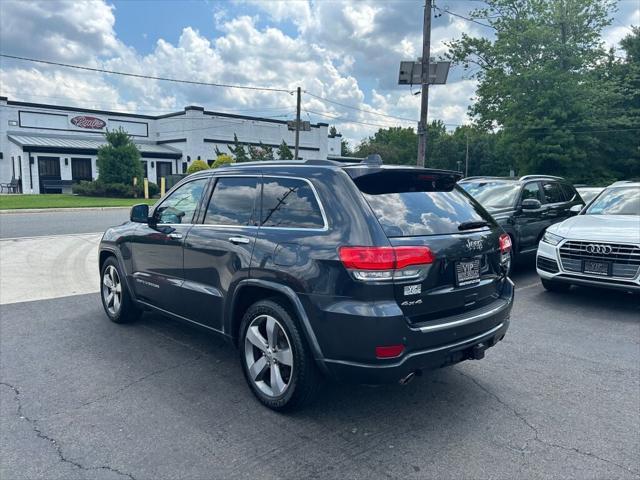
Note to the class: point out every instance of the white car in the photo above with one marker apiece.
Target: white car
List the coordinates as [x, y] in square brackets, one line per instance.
[599, 247]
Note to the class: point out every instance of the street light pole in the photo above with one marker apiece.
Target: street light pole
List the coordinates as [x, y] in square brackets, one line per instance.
[424, 101]
[466, 160]
[295, 155]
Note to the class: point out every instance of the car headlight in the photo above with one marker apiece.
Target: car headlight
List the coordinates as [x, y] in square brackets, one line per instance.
[552, 238]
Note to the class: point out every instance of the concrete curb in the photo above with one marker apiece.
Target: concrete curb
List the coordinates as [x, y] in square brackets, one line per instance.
[58, 209]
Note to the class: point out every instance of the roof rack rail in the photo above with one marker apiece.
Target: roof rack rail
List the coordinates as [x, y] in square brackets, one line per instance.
[479, 177]
[531, 177]
[313, 161]
[621, 182]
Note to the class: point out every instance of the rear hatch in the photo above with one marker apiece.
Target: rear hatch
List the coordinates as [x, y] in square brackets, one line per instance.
[420, 207]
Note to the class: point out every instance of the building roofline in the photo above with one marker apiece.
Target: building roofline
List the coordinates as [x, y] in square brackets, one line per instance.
[150, 117]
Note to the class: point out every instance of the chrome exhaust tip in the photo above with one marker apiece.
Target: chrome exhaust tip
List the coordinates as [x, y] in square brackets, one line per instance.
[407, 379]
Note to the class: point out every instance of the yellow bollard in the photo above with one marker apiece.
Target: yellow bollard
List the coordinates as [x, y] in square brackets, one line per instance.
[146, 188]
[135, 182]
[162, 184]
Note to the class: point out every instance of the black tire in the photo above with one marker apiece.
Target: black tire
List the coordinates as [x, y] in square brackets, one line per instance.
[556, 287]
[124, 310]
[302, 378]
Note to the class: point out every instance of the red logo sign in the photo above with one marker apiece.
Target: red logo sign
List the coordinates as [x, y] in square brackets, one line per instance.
[92, 123]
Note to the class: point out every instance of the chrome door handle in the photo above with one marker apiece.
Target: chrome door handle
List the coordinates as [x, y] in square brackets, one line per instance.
[237, 240]
[175, 235]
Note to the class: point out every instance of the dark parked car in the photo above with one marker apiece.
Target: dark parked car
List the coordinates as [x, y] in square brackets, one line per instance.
[526, 206]
[359, 272]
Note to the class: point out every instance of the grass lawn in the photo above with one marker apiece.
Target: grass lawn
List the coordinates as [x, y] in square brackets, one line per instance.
[11, 202]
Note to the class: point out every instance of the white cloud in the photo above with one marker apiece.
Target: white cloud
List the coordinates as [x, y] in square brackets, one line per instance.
[68, 31]
[618, 30]
[346, 51]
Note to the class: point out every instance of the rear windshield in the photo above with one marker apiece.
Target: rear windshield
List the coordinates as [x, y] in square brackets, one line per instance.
[415, 204]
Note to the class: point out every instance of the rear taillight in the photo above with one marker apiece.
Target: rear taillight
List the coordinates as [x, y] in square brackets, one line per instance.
[505, 243]
[390, 351]
[385, 263]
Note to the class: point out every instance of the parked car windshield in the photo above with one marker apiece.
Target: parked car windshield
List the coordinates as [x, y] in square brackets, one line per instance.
[493, 194]
[588, 193]
[408, 205]
[617, 201]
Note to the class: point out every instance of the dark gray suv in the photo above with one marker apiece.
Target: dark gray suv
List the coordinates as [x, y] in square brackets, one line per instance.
[359, 272]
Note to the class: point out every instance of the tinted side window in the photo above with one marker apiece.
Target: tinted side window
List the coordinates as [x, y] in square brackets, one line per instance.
[180, 206]
[232, 202]
[531, 190]
[291, 203]
[569, 191]
[552, 192]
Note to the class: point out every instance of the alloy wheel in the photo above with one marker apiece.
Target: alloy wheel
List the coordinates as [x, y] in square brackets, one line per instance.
[268, 356]
[112, 290]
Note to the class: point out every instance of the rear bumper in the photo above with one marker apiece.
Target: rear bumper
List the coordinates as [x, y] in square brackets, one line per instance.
[349, 341]
[415, 361]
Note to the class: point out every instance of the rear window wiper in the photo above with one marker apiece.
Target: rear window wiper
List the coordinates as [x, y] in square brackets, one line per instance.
[472, 225]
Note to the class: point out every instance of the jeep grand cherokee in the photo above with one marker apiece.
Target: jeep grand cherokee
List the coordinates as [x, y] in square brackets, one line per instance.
[360, 271]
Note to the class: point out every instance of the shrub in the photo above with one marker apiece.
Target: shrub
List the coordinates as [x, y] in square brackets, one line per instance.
[98, 188]
[197, 166]
[119, 160]
[153, 190]
[222, 159]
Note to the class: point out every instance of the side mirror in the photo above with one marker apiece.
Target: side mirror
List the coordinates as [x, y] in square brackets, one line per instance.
[575, 209]
[531, 204]
[140, 213]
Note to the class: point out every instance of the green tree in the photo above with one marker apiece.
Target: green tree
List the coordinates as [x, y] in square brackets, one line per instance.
[284, 152]
[238, 150]
[222, 159]
[197, 166]
[345, 148]
[261, 152]
[536, 81]
[396, 145]
[119, 160]
[619, 144]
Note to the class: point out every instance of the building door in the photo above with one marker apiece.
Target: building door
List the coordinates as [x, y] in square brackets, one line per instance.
[81, 169]
[163, 169]
[49, 169]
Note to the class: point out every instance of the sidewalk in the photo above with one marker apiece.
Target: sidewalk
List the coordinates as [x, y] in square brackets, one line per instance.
[59, 209]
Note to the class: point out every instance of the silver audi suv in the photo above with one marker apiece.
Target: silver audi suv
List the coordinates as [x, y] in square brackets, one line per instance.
[599, 247]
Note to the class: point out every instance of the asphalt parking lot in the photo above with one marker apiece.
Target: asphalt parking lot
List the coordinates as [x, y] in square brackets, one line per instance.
[82, 398]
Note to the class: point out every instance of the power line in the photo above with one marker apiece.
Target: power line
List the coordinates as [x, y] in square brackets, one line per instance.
[352, 107]
[150, 77]
[454, 14]
[346, 120]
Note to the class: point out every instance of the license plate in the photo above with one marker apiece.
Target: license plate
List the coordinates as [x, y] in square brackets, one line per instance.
[468, 272]
[596, 268]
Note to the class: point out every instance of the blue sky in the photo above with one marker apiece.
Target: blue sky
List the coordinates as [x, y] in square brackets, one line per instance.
[348, 51]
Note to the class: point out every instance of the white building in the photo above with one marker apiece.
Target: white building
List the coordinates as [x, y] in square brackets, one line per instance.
[48, 142]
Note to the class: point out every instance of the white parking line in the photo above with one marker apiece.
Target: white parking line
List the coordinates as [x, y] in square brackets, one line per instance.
[525, 287]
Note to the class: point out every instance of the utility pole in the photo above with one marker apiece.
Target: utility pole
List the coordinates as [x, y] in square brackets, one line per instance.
[295, 155]
[466, 162]
[424, 105]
